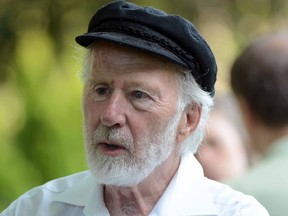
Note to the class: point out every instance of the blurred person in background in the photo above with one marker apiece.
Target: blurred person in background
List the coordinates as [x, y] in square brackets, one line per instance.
[259, 79]
[224, 152]
[148, 88]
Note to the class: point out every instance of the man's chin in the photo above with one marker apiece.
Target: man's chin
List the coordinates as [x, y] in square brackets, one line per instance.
[115, 171]
[117, 180]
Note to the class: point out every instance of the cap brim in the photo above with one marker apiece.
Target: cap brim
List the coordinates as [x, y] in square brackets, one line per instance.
[128, 40]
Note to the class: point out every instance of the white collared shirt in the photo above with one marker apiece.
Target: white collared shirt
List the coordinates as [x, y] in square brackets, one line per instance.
[189, 193]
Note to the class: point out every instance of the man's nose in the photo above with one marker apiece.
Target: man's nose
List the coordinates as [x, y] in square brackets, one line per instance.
[114, 113]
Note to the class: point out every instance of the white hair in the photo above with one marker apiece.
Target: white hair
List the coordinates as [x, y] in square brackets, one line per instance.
[189, 93]
[86, 70]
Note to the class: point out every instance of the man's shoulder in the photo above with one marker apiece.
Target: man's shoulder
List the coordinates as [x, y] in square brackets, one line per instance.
[44, 196]
[61, 184]
[231, 202]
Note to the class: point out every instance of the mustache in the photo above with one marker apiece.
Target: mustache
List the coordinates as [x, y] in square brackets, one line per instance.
[113, 135]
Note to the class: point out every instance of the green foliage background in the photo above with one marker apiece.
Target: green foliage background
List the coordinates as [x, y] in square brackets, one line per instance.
[40, 84]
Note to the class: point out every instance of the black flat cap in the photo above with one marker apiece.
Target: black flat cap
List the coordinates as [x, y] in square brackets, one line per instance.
[157, 32]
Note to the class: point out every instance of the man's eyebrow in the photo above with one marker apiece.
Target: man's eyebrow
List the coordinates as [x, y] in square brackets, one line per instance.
[141, 83]
[92, 81]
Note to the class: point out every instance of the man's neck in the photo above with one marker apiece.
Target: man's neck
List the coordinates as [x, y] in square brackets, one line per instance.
[141, 198]
[267, 136]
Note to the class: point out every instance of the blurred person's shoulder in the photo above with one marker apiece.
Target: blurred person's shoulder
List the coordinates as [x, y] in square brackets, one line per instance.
[265, 174]
[265, 180]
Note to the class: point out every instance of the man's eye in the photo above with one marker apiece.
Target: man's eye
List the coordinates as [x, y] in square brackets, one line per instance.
[101, 91]
[139, 94]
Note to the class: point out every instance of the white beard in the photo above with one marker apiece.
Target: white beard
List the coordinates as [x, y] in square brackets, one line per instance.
[130, 168]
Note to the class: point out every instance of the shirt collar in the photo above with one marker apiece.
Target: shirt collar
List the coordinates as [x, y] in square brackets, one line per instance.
[187, 193]
[77, 193]
[86, 193]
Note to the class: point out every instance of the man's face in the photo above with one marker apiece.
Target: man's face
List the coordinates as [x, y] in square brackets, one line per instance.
[130, 119]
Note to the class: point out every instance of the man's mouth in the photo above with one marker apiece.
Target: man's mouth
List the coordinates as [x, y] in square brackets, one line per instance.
[111, 149]
[112, 146]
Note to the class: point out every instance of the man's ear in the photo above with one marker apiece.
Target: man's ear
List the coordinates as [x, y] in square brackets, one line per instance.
[189, 122]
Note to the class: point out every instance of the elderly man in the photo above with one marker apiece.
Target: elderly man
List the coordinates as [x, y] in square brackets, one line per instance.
[148, 87]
